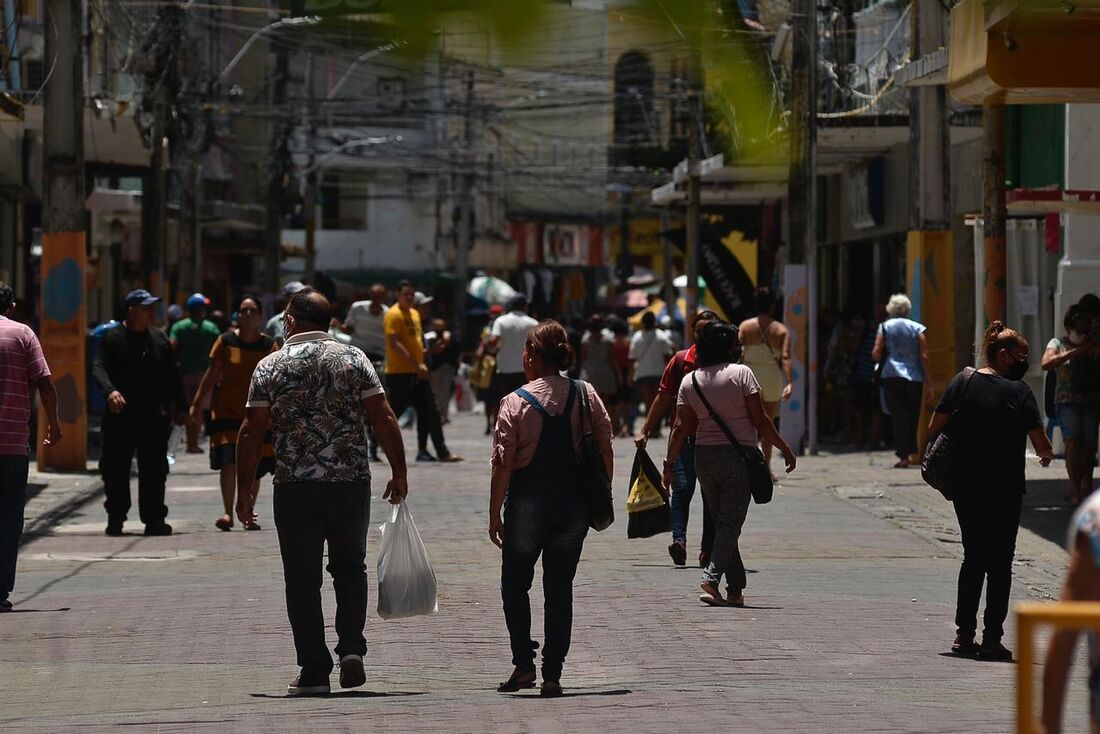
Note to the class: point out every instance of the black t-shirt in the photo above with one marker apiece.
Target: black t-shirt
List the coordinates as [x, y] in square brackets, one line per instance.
[989, 433]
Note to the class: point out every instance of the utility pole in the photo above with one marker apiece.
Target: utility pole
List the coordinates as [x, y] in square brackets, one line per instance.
[691, 225]
[310, 199]
[278, 167]
[930, 178]
[466, 219]
[994, 212]
[802, 186]
[63, 253]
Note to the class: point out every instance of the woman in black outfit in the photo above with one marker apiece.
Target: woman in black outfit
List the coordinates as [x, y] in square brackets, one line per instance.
[996, 414]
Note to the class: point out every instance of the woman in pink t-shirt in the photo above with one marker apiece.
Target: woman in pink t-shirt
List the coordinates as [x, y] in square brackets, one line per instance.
[734, 394]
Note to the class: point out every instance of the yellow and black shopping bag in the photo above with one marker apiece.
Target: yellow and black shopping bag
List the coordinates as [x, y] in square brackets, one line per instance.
[646, 506]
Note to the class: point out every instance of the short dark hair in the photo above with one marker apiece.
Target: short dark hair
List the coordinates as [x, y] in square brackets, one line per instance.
[250, 297]
[310, 307]
[649, 320]
[1074, 313]
[704, 315]
[595, 323]
[404, 284]
[719, 342]
[763, 300]
[7, 298]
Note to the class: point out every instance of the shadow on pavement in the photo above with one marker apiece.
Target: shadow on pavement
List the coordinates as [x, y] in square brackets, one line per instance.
[570, 694]
[1046, 512]
[28, 611]
[344, 694]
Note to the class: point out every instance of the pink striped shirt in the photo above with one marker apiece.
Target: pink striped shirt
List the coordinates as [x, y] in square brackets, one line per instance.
[21, 366]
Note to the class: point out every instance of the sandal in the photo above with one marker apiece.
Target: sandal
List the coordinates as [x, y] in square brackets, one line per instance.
[223, 524]
[903, 464]
[735, 598]
[520, 680]
[711, 596]
[252, 526]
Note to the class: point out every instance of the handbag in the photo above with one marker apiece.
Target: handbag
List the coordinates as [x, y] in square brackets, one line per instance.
[481, 374]
[938, 462]
[760, 475]
[594, 484]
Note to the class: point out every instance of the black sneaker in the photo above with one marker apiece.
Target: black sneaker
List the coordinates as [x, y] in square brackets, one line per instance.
[678, 552]
[5, 605]
[299, 687]
[424, 456]
[994, 651]
[162, 529]
[965, 646]
[113, 529]
[352, 674]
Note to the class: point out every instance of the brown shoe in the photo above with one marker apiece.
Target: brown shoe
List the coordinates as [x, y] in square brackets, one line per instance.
[735, 598]
[450, 459]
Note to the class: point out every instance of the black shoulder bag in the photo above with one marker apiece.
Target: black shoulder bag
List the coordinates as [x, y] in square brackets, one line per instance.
[595, 485]
[938, 462]
[760, 475]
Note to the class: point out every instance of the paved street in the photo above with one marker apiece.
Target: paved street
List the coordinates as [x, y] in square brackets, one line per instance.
[851, 598]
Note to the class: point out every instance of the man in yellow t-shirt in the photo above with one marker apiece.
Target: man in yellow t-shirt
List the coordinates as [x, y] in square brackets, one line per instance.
[407, 374]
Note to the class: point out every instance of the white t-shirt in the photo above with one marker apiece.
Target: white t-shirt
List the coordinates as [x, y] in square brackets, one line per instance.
[726, 386]
[367, 330]
[512, 329]
[651, 349]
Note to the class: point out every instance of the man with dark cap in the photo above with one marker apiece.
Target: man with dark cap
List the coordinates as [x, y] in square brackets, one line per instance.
[136, 369]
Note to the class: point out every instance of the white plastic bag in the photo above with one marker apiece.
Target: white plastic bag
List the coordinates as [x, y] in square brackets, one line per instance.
[406, 582]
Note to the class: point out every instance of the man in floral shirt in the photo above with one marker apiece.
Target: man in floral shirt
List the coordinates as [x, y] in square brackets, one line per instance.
[316, 395]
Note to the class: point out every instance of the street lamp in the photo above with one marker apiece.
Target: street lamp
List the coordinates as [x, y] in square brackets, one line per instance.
[283, 23]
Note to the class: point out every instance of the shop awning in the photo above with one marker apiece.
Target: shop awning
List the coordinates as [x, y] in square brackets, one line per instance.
[1052, 201]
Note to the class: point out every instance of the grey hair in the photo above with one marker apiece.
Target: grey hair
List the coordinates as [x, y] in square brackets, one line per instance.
[899, 306]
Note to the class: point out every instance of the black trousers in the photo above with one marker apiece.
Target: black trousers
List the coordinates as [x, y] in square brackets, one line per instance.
[903, 398]
[404, 390]
[307, 516]
[989, 526]
[13, 499]
[147, 438]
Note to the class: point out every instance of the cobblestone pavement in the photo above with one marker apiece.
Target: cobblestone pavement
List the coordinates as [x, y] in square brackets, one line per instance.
[851, 597]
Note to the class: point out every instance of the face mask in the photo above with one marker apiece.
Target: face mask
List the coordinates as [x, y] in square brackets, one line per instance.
[1018, 369]
[1076, 338]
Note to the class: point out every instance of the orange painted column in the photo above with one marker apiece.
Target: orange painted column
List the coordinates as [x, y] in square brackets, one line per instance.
[63, 341]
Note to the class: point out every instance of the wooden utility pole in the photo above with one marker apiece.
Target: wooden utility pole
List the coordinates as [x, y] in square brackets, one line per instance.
[278, 167]
[693, 214]
[994, 212]
[802, 187]
[465, 240]
[63, 231]
[310, 199]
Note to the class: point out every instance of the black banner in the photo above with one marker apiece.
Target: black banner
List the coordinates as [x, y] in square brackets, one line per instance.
[727, 280]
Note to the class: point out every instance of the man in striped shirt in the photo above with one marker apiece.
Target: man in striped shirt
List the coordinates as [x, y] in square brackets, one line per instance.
[22, 369]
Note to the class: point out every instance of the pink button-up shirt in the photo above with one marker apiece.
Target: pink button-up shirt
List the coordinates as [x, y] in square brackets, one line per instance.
[519, 425]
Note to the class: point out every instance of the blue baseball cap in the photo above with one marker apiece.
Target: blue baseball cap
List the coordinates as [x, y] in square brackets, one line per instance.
[139, 297]
[196, 301]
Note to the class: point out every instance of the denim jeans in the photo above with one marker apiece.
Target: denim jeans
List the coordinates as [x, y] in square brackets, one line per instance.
[13, 496]
[308, 515]
[683, 490]
[546, 521]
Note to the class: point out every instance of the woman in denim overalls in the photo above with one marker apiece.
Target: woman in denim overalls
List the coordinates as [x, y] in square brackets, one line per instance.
[535, 473]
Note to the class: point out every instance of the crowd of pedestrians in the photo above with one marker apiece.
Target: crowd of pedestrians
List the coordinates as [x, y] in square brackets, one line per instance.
[314, 400]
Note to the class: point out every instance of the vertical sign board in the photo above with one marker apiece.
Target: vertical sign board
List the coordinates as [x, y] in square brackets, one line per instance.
[792, 413]
[930, 281]
[63, 341]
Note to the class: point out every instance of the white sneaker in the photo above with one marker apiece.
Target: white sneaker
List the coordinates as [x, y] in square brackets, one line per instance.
[297, 689]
